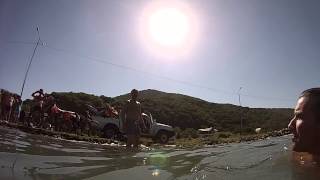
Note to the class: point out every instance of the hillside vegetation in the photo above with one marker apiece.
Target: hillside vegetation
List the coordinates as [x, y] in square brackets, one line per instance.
[185, 111]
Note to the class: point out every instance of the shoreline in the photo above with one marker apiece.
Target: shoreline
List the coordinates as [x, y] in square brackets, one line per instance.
[56, 134]
[180, 142]
[215, 139]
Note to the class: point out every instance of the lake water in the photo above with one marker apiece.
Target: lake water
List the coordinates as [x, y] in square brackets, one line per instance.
[27, 156]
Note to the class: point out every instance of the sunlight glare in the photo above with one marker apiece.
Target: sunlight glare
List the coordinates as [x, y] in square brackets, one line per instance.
[168, 29]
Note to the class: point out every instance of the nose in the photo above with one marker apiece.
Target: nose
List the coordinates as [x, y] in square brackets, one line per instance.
[292, 125]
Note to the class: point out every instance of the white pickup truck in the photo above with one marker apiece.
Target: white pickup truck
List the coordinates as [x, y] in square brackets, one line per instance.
[112, 127]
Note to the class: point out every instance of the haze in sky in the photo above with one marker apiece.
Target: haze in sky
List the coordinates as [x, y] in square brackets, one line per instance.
[206, 49]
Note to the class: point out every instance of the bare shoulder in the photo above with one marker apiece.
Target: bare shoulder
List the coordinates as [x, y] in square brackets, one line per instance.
[133, 102]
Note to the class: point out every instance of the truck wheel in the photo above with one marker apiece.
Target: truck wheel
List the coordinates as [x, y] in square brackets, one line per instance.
[109, 133]
[163, 137]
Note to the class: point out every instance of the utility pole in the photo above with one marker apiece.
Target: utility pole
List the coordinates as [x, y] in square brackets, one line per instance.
[239, 95]
[28, 68]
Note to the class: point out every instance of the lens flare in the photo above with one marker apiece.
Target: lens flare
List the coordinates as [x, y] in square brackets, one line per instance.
[155, 172]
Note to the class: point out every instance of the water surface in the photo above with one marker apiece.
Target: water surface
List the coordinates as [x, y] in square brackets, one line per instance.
[27, 156]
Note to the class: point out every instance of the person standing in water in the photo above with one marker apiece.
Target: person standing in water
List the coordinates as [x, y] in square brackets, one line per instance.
[132, 119]
[305, 127]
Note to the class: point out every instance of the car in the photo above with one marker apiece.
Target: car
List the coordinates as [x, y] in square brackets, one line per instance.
[112, 127]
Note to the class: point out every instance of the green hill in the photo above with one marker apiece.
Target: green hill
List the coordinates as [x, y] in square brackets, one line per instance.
[185, 111]
[189, 112]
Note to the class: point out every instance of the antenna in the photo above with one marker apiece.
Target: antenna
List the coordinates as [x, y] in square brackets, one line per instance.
[38, 32]
[239, 95]
[22, 88]
[29, 65]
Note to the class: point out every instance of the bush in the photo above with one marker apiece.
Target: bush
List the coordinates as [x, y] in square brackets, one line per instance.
[213, 140]
[178, 131]
[224, 135]
[189, 133]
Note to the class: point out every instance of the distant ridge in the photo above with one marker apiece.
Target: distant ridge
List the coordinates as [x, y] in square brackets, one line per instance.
[189, 112]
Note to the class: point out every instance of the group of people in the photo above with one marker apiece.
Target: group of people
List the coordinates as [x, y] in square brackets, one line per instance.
[61, 120]
[305, 124]
[10, 104]
[44, 113]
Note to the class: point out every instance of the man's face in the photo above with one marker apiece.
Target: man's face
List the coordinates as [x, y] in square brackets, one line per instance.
[304, 128]
[134, 95]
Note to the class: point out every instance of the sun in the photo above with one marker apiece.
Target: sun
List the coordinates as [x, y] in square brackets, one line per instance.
[169, 27]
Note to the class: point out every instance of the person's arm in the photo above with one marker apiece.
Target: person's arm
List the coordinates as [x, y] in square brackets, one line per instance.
[33, 94]
[19, 100]
[123, 112]
[123, 116]
[140, 113]
[42, 96]
[141, 119]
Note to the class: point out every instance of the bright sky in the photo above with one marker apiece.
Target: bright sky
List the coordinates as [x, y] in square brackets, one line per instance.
[206, 49]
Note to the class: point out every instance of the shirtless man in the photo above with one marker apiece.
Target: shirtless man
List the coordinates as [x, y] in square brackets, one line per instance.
[305, 127]
[38, 97]
[132, 118]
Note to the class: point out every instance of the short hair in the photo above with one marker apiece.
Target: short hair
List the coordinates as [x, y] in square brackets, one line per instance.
[134, 91]
[313, 96]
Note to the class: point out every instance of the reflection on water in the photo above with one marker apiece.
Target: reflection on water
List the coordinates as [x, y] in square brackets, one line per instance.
[26, 156]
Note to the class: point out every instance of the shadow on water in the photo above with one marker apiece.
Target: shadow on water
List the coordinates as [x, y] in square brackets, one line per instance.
[27, 156]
